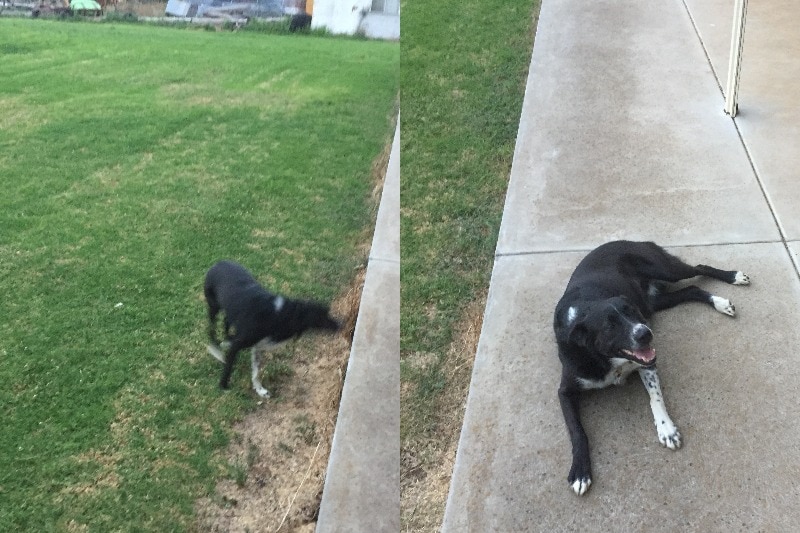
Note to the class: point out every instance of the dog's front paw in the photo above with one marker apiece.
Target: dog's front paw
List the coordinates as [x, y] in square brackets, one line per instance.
[261, 391]
[669, 436]
[580, 477]
[741, 279]
[580, 486]
[723, 306]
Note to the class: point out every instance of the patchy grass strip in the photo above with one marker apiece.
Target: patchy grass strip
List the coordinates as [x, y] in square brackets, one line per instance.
[462, 76]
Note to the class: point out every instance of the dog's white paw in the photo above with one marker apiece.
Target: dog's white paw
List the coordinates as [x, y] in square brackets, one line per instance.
[261, 391]
[669, 435]
[580, 486]
[216, 353]
[723, 305]
[741, 279]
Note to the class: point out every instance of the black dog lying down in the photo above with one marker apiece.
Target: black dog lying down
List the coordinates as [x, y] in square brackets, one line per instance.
[255, 318]
[602, 333]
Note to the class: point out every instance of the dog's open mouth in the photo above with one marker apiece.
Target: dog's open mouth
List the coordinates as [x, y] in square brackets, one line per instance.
[645, 356]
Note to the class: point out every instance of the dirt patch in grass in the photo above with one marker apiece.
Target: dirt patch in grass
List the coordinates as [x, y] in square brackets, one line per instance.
[140, 9]
[426, 464]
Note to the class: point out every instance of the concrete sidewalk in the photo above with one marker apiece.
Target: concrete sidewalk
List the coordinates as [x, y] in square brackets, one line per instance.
[622, 135]
[362, 484]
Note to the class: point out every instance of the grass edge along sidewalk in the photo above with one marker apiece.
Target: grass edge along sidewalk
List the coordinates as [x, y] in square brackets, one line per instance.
[463, 76]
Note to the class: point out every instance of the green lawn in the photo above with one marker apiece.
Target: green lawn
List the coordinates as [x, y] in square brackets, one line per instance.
[132, 158]
[461, 102]
[462, 79]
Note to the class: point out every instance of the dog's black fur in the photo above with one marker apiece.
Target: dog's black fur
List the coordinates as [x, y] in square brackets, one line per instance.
[602, 332]
[252, 314]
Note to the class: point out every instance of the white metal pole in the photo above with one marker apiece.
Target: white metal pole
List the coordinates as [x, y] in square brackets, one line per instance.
[735, 63]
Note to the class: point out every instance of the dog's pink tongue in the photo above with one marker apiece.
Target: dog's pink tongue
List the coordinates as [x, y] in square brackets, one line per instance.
[645, 354]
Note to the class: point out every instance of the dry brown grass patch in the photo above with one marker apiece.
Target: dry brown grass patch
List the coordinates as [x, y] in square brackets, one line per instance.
[426, 464]
[282, 449]
[280, 454]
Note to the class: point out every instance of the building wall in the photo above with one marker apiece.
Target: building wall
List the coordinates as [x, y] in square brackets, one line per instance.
[339, 16]
[381, 26]
[352, 16]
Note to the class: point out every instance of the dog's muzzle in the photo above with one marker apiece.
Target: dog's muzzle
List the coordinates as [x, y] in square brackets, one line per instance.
[641, 351]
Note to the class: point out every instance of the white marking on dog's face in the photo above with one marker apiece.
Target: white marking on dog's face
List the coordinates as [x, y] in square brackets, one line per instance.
[637, 330]
[633, 324]
[571, 314]
[278, 303]
[636, 327]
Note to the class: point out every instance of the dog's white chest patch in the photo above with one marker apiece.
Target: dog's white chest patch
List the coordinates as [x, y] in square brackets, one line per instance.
[278, 303]
[620, 369]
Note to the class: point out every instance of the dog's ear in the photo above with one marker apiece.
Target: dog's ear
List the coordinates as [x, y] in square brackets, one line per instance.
[578, 333]
[569, 327]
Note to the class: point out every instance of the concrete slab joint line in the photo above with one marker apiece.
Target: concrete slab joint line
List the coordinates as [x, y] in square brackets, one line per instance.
[675, 163]
[362, 484]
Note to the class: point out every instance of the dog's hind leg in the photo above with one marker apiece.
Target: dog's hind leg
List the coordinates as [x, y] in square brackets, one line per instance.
[664, 300]
[668, 434]
[734, 277]
[230, 359]
[658, 264]
[259, 351]
[213, 310]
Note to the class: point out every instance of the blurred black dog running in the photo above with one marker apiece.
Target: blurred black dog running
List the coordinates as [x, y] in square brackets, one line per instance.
[255, 318]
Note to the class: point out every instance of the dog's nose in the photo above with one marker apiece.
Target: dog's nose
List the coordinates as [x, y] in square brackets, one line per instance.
[642, 334]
